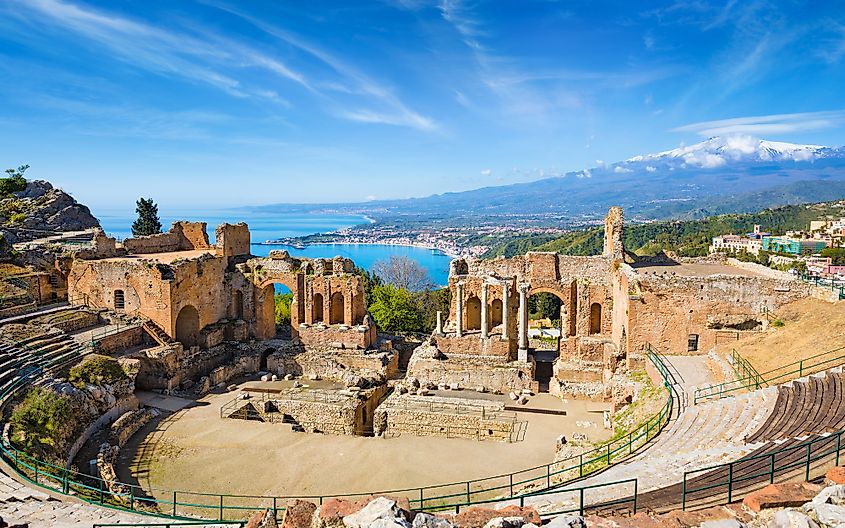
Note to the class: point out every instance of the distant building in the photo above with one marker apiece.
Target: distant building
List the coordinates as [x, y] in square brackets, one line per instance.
[792, 245]
[735, 244]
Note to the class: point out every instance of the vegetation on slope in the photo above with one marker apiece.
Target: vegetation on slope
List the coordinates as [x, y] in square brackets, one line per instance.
[96, 369]
[42, 422]
[687, 238]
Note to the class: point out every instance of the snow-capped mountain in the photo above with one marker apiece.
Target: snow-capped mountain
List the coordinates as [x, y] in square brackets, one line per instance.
[719, 151]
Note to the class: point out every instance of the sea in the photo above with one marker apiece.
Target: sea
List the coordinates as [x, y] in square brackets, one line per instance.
[266, 226]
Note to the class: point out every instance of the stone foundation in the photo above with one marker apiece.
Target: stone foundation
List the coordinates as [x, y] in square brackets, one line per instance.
[447, 417]
[333, 364]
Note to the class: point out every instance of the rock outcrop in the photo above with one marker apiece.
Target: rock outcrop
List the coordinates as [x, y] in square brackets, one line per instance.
[42, 207]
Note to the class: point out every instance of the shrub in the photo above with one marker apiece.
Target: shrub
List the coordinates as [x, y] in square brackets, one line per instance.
[283, 301]
[41, 422]
[777, 323]
[17, 218]
[97, 369]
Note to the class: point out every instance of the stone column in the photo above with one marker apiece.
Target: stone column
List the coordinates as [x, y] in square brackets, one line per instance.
[439, 329]
[484, 310]
[506, 293]
[459, 310]
[522, 354]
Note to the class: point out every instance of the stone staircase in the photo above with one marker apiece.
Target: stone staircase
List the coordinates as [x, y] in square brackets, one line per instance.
[157, 333]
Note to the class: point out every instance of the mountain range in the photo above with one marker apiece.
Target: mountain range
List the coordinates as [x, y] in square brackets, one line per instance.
[720, 175]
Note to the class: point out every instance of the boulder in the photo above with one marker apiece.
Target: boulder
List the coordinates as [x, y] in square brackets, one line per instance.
[835, 475]
[426, 520]
[378, 513]
[829, 515]
[505, 522]
[786, 495]
[791, 519]
[299, 513]
[478, 517]
[567, 521]
[262, 519]
[332, 512]
[833, 494]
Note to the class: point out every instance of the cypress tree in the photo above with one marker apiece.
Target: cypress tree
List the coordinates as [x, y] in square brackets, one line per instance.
[147, 222]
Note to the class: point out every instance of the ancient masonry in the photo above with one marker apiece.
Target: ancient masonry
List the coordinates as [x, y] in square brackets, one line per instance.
[208, 311]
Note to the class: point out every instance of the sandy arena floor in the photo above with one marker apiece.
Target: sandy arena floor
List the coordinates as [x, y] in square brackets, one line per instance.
[194, 449]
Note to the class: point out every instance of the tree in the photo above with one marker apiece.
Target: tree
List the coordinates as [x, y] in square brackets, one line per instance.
[41, 422]
[837, 255]
[147, 222]
[14, 183]
[283, 302]
[394, 309]
[403, 272]
[429, 302]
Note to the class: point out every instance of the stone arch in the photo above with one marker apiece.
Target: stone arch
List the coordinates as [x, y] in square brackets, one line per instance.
[496, 312]
[595, 318]
[337, 306]
[473, 317]
[188, 326]
[317, 308]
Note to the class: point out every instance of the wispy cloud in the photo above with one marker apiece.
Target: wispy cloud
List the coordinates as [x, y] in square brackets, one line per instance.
[769, 124]
[390, 108]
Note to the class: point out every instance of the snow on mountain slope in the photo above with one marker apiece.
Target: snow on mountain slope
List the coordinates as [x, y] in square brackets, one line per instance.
[719, 151]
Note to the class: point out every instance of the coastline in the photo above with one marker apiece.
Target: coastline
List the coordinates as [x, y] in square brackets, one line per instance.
[401, 244]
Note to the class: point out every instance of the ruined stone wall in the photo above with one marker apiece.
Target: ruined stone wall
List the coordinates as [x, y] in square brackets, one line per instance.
[408, 414]
[128, 424]
[232, 240]
[120, 341]
[670, 308]
[473, 373]
[473, 345]
[199, 283]
[324, 413]
[182, 236]
[145, 288]
[317, 336]
[333, 364]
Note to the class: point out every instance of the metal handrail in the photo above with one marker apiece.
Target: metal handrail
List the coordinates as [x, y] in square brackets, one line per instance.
[507, 486]
[755, 380]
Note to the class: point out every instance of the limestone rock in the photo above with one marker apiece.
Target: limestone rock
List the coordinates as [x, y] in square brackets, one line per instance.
[833, 494]
[835, 475]
[791, 519]
[262, 519]
[478, 517]
[829, 515]
[426, 520]
[505, 522]
[380, 512]
[567, 521]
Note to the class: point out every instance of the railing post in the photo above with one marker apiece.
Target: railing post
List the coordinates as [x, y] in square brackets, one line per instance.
[174, 503]
[608, 453]
[36, 471]
[838, 445]
[549, 476]
[684, 493]
[511, 484]
[221, 506]
[807, 471]
[772, 469]
[132, 497]
[421, 498]
[581, 502]
[635, 496]
[581, 463]
[101, 490]
[801, 368]
[468, 499]
[730, 482]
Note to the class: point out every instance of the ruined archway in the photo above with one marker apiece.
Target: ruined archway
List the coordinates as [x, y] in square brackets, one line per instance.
[188, 326]
[336, 316]
[546, 316]
[473, 313]
[317, 308]
[496, 312]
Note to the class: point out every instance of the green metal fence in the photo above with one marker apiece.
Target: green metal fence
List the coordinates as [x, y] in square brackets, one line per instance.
[835, 286]
[803, 460]
[752, 380]
[188, 504]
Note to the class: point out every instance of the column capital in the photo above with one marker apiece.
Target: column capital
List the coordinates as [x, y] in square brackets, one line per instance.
[523, 287]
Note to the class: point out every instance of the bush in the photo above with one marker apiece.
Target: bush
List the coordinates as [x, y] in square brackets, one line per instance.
[283, 301]
[42, 422]
[12, 184]
[394, 309]
[777, 323]
[97, 369]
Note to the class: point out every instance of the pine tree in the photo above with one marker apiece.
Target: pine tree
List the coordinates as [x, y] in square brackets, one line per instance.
[147, 222]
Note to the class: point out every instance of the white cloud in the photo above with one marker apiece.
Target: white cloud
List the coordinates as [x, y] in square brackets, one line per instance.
[649, 168]
[704, 160]
[486, 172]
[770, 124]
[622, 170]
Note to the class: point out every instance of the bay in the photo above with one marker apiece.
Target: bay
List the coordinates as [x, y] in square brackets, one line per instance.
[265, 226]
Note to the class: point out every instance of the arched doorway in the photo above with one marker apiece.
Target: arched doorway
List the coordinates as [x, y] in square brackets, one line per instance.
[336, 308]
[238, 302]
[473, 313]
[545, 330]
[188, 326]
[317, 308]
[595, 318]
[496, 312]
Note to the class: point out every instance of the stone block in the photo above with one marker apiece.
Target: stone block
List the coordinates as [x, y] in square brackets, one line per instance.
[835, 475]
[478, 517]
[786, 495]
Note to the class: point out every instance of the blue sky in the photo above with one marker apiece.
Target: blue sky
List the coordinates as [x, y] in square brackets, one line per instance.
[216, 102]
